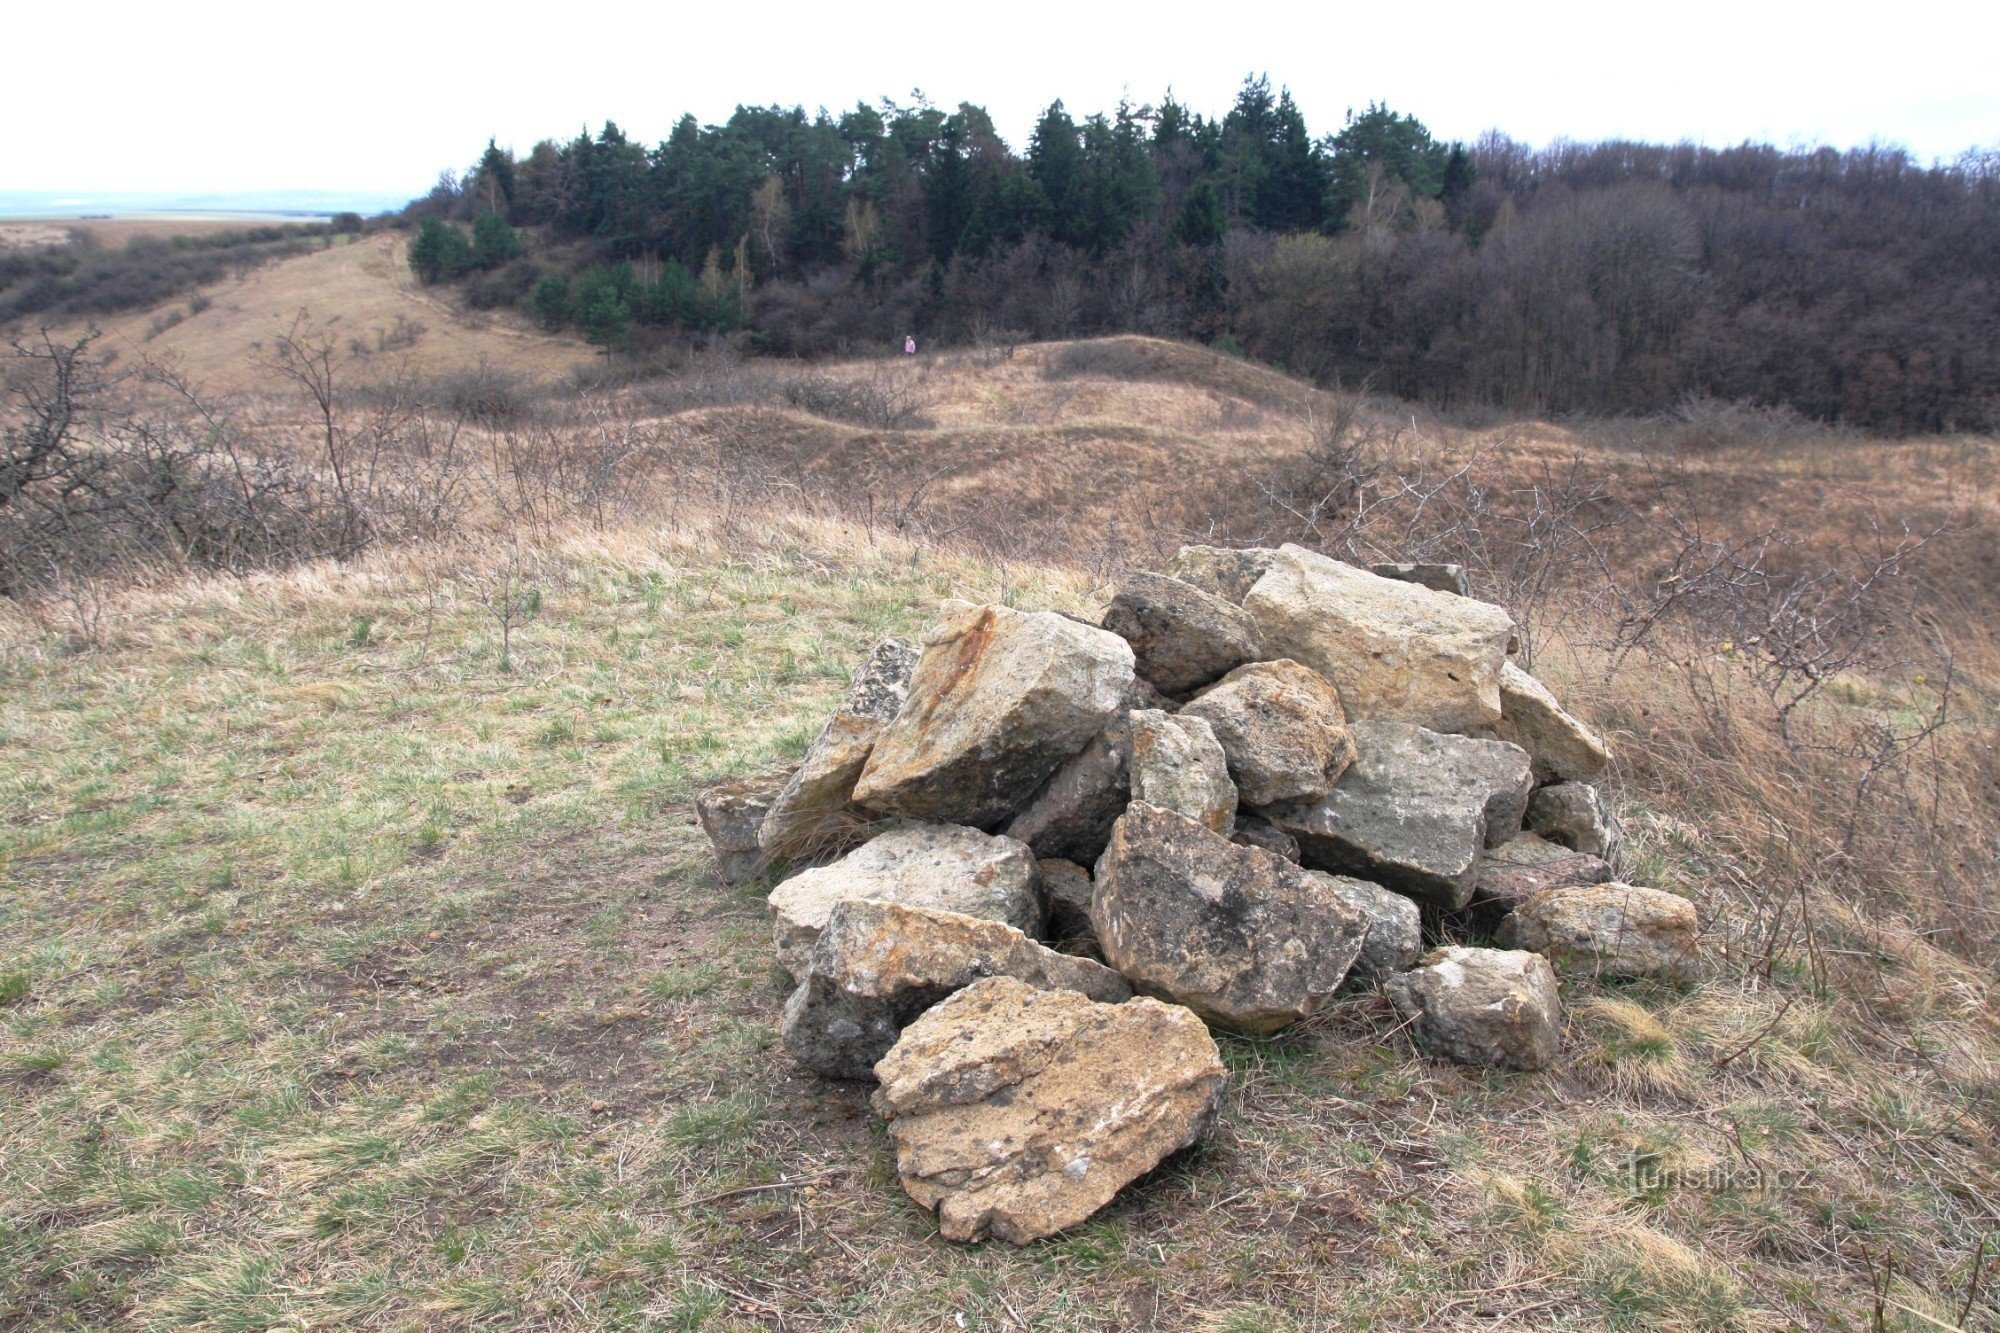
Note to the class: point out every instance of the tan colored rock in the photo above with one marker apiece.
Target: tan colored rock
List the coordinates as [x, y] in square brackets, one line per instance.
[815, 814]
[732, 814]
[1226, 572]
[1017, 1112]
[999, 700]
[1608, 930]
[1182, 637]
[1178, 765]
[1395, 651]
[938, 866]
[1493, 1007]
[1562, 748]
[1244, 938]
[878, 965]
[1282, 729]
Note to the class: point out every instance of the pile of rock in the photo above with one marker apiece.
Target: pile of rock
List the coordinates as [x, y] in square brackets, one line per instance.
[1265, 775]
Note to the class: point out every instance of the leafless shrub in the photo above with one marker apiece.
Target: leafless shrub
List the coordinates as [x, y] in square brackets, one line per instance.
[882, 400]
[404, 333]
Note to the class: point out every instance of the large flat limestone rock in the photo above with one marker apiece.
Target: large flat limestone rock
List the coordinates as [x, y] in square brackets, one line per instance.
[1017, 1112]
[945, 867]
[1000, 699]
[1395, 651]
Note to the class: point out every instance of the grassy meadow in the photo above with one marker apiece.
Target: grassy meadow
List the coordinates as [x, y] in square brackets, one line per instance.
[361, 964]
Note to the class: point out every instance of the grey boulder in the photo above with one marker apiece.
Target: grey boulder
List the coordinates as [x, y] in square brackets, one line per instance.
[1244, 938]
[1414, 811]
[1178, 765]
[1574, 814]
[1070, 817]
[1395, 927]
[1182, 638]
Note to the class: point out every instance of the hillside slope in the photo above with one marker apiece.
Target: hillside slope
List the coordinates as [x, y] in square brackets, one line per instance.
[360, 293]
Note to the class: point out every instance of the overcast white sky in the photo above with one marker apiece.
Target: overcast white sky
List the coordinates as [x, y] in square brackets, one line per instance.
[371, 96]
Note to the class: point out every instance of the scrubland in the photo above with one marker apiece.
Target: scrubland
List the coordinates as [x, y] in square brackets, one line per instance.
[361, 964]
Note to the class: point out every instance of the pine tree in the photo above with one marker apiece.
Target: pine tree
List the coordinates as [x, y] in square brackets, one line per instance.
[493, 242]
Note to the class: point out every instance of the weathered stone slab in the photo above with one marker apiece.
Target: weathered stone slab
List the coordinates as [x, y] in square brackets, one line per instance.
[998, 701]
[878, 965]
[1017, 1112]
[1395, 651]
[1244, 938]
[938, 866]
[815, 814]
[1414, 811]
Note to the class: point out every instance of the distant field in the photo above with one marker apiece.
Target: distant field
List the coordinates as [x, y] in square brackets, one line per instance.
[17, 233]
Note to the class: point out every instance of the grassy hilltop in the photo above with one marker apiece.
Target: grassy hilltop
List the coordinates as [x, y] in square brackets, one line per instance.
[361, 964]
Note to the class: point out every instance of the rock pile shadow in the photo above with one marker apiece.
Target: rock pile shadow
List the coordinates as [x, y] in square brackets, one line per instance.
[1029, 864]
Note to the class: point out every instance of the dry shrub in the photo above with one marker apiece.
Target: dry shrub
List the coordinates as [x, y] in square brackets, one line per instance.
[880, 401]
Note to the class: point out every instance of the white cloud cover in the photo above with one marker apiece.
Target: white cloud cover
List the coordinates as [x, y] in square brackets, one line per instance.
[371, 96]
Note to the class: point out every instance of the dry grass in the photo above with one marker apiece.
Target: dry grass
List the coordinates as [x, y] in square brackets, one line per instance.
[361, 292]
[354, 972]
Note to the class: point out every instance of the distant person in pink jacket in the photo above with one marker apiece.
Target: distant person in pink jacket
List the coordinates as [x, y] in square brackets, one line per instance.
[909, 346]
